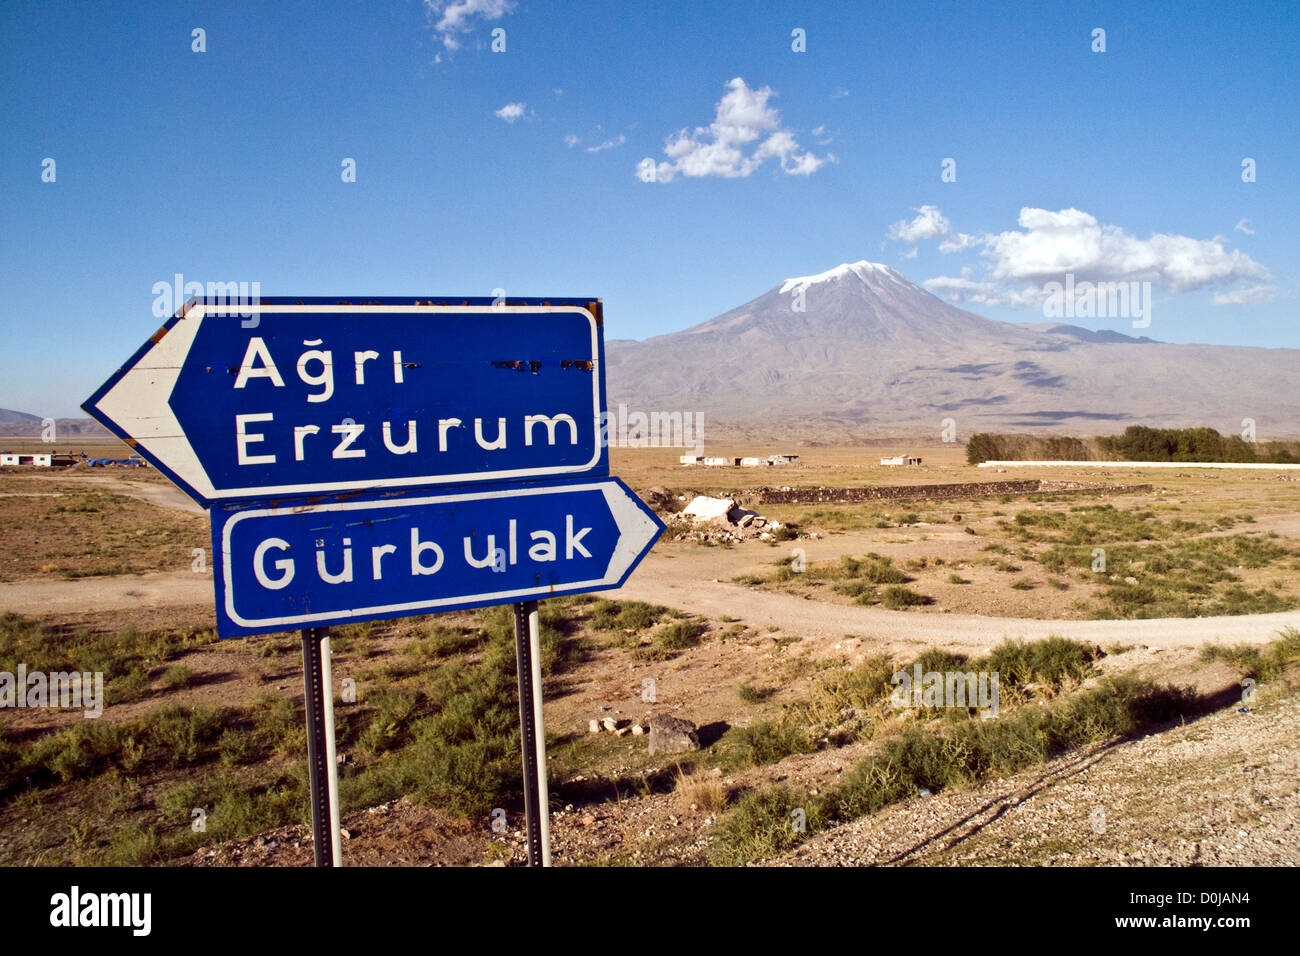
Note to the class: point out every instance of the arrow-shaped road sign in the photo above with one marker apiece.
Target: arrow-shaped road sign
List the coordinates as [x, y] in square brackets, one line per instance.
[311, 396]
[286, 567]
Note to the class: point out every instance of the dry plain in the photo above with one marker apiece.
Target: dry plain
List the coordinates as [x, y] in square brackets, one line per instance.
[770, 647]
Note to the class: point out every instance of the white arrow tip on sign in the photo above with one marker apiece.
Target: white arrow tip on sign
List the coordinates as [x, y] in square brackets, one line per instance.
[636, 529]
[138, 403]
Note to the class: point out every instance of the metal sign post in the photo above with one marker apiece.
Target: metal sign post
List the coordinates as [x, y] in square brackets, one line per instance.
[318, 700]
[533, 742]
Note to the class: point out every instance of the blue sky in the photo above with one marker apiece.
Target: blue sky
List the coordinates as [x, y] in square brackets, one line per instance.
[225, 165]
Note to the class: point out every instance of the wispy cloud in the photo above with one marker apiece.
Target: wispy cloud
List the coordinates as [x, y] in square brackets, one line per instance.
[1050, 244]
[1254, 295]
[1243, 225]
[618, 140]
[960, 289]
[745, 133]
[458, 17]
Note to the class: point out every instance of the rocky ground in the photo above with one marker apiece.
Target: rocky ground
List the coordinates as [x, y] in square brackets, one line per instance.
[1220, 791]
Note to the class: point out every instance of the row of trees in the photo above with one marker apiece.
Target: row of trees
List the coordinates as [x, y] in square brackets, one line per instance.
[1137, 443]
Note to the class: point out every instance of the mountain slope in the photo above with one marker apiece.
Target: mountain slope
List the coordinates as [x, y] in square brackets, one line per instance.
[873, 352]
[10, 417]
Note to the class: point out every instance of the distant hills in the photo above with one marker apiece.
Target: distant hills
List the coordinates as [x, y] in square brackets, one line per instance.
[874, 354]
[24, 425]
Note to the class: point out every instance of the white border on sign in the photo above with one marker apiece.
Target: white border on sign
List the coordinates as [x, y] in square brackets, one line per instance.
[607, 486]
[133, 404]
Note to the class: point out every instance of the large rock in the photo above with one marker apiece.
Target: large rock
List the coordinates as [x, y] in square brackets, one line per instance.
[738, 515]
[704, 508]
[672, 735]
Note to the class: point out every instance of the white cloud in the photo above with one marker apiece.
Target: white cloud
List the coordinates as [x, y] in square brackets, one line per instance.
[726, 146]
[618, 140]
[572, 141]
[929, 223]
[910, 255]
[1244, 226]
[512, 111]
[839, 93]
[1051, 244]
[457, 17]
[1253, 295]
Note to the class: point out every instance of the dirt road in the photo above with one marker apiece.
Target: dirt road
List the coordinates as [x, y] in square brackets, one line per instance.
[677, 577]
[154, 492]
[675, 584]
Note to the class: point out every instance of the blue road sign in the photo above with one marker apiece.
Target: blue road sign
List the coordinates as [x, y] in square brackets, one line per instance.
[293, 397]
[309, 565]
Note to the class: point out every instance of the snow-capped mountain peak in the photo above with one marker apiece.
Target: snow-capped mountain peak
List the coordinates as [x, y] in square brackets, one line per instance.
[869, 272]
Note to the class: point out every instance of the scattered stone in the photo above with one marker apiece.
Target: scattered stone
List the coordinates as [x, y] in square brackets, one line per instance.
[969, 530]
[637, 730]
[593, 726]
[610, 724]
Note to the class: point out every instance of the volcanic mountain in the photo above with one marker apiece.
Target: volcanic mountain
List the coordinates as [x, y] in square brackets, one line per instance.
[872, 353]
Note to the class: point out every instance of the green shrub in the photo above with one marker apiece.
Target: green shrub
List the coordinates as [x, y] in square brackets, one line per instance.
[679, 635]
[766, 742]
[765, 823]
[177, 676]
[900, 598]
[1261, 663]
[182, 732]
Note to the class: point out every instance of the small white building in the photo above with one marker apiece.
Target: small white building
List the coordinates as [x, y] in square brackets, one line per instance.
[8, 459]
[753, 462]
[692, 459]
[722, 462]
[784, 460]
[901, 460]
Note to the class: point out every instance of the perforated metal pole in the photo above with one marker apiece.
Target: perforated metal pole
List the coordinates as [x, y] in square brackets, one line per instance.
[533, 742]
[318, 702]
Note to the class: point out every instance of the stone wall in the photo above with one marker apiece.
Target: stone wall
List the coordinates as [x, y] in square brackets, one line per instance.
[965, 489]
